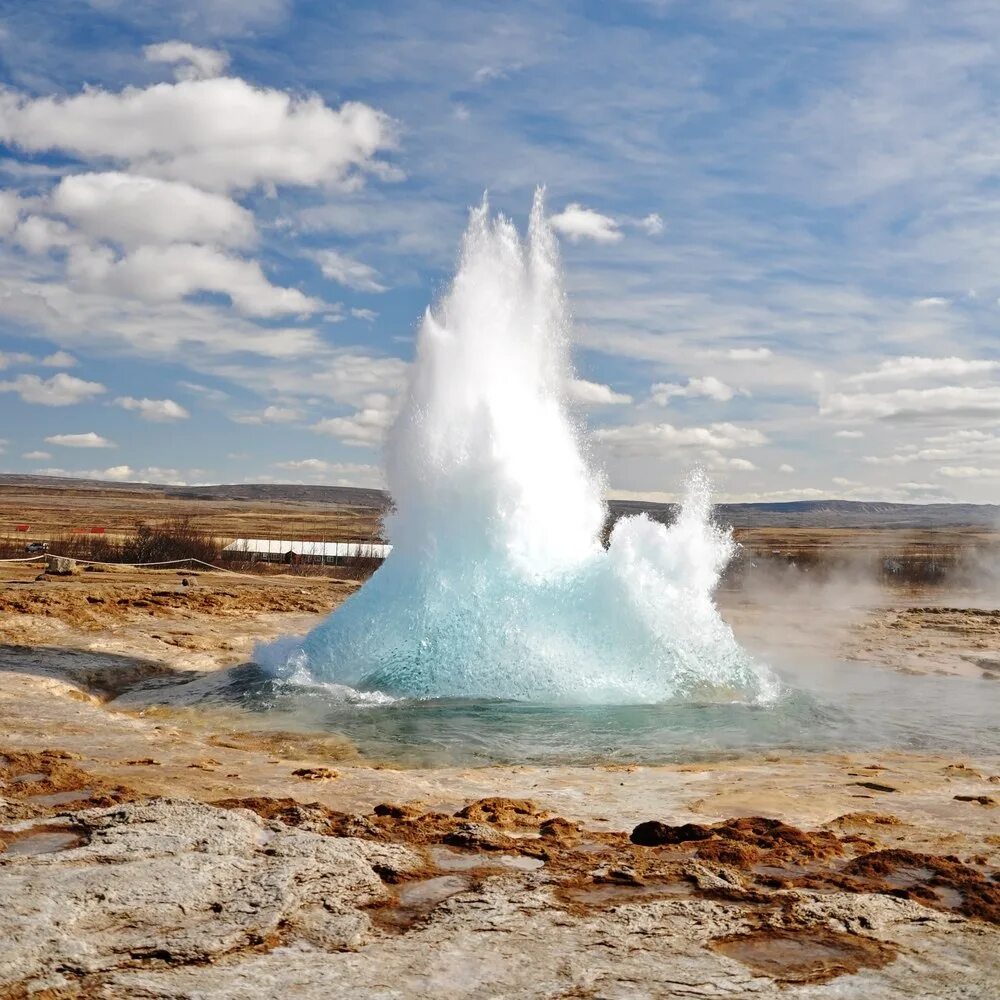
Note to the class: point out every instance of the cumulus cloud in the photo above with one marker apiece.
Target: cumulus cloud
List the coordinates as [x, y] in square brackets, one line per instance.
[270, 415]
[59, 390]
[596, 394]
[914, 404]
[340, 473]
[10, 211]
[785, 467]
[157, 411]
[170, 273]
[38, 234]
[959, 445]
[578, 223]
[932, 302]
[59, 359]
[968, 472]
[655, 439]
[708, 387]
[135, 211]
[90, 439]
[652, 224]
[7, 359]
[909, 368]
[191, 62]
[219, 134]
[348, 272]
[850, 435]
[365, 427]
[37, 456]
[120, 474]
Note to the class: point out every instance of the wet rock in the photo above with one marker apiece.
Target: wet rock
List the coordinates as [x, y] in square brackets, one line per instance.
[502, 812]
[805, 956]
[477, 835]
[875, 786]
[653, 833]
[315, 773]
[912, 875]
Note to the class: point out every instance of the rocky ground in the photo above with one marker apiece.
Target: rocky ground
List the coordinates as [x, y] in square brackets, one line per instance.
[154, 853]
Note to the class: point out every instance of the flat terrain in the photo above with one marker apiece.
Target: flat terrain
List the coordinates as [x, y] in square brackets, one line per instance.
[51, 512]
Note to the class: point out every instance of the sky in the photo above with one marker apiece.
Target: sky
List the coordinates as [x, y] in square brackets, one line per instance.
[221, 221]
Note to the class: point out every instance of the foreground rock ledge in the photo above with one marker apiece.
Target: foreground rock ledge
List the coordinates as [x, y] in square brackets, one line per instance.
[176, 899]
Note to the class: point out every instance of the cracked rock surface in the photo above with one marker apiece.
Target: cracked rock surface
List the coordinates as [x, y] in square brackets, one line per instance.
[182, 900]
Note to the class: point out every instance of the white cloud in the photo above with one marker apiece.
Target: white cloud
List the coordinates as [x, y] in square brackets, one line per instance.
[578, 223]
[166, 274]
[909, 404]
[10, 210]
[933, 302]
[206, 392]
[271, 415]
[135, 211]
[596, 394]
[120, 474]
[851, 435]
[368, 315]
[88, 440]
[968, 472]
[708, 387]
[218, 134]
[39, 235]
[338, 473]
[60, 359]
[348, 272]
[748, 353]
[652, 224]
[157, 411]
[657, 439]
[14, 358]
[59, 390]
[363, 428]
[191, 61]
[37, 456]
[785, 467]
[908, 368]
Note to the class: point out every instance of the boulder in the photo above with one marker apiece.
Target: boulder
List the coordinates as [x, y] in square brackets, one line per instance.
[60, 565]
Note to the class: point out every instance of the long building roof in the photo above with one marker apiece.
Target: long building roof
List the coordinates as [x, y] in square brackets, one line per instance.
[326, 550]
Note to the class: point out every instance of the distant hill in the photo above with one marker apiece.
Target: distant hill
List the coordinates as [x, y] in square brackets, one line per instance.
[831, 514]
[798, 513]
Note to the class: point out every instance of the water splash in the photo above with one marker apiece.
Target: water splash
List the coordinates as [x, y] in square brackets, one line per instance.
[497, 585]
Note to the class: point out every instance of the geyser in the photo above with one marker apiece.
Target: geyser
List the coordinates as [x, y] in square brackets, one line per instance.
[498, 585]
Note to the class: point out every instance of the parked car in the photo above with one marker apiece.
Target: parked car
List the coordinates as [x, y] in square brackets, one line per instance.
[36, 548]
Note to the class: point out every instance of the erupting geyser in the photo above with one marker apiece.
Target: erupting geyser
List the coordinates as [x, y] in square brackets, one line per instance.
[498, 585]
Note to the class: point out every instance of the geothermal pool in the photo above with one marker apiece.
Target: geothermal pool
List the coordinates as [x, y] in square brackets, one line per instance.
[841, 706]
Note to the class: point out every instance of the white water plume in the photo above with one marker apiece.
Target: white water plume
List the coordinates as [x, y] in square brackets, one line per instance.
[498, 585]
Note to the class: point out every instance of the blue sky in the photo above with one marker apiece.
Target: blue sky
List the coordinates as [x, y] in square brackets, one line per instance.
[220, 222]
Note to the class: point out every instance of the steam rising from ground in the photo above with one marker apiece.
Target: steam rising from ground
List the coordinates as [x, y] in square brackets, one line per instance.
[498, 586]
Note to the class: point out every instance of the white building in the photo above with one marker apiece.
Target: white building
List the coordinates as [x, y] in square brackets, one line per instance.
[324, 553]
